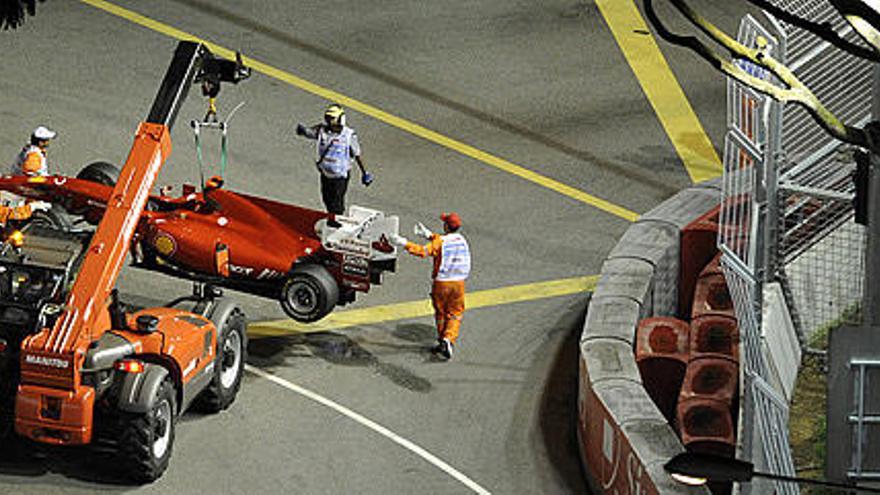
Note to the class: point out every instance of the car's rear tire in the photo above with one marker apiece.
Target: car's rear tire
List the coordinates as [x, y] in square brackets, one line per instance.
[100, 172]
[146, 440]
[309, 294]
[229, 364]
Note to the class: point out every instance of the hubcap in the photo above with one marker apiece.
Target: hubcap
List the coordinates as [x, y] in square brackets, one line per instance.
[231, 359]
[303, 298]
[163, 429]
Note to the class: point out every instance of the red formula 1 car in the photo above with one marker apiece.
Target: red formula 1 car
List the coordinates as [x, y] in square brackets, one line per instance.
[239, 241]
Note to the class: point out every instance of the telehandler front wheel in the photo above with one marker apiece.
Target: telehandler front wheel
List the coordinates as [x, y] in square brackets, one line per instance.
[229, 364]
[146, 440]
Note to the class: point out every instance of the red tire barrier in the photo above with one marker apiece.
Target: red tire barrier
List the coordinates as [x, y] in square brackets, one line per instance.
[706, 426]
[697, 248]
[714, 336]
[713, 267]
[662, 355]
[710, 378]
[712, 296]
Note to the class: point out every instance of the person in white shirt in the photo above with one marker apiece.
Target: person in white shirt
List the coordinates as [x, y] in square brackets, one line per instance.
[32, 160]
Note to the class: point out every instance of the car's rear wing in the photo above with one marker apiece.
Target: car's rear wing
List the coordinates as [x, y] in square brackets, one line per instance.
[364, 232]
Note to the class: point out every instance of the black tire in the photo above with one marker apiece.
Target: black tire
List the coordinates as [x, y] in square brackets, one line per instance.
[309, 294]
[51, 218]
[7, 405]
[229, 366]
[100, 172]
[146, 440]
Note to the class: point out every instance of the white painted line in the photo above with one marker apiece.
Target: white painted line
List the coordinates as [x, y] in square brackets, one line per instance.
[415, 449]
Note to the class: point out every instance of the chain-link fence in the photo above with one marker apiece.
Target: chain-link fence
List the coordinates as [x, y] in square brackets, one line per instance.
[818, 252]
[787, 210]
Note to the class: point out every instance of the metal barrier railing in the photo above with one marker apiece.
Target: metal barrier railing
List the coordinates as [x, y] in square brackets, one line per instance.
[819, 250]
[787, 210]
[864, 420]
[754, 123]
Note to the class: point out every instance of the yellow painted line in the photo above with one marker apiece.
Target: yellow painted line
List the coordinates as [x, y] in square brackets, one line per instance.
[376, 113]
[662, 89]
[419, 309]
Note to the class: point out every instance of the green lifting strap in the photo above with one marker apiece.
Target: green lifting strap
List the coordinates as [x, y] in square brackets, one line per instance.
[196, 128]
[223, 126]
[223, 147]
[223, 150]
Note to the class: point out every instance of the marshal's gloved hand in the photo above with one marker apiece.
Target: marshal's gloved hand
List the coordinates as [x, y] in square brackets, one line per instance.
[367, 179]
[39, 205]
[399, 240]
[300, 130]
[422, 231]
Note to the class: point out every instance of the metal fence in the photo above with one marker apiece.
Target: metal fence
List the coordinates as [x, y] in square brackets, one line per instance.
[786, 210]
[819, 249]
[754, 124]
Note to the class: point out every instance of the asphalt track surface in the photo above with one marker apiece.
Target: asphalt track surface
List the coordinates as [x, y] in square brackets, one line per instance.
[452, 100]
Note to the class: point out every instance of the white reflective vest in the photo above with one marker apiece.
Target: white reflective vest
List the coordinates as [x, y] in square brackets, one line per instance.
[336, 150]
[23, 156]
[455, 258]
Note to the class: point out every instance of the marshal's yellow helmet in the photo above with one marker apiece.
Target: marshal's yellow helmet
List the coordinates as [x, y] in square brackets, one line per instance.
[334, 115]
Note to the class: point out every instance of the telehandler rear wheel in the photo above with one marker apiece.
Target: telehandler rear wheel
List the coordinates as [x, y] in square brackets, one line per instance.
[146, 440]
[229, 364]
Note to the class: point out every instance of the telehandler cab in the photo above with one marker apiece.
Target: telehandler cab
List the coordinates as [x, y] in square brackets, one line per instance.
[76, 367]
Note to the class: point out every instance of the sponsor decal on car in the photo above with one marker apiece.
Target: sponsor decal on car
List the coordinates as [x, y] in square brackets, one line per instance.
[347, 245]
[269, 274]
[241, 270]
[356, 265]
[361, 286]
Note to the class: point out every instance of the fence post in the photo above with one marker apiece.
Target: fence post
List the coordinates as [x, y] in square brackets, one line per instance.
[871, 301]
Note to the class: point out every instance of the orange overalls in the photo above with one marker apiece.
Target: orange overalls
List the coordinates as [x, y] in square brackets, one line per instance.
[447, 296]
[14, 213]
[31, 161]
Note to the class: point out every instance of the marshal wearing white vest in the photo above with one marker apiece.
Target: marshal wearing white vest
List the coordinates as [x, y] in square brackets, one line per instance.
[32, 159]
[452, 266]
[337, 145]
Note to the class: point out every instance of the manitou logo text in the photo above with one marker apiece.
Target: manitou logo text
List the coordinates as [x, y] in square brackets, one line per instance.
[46, 361]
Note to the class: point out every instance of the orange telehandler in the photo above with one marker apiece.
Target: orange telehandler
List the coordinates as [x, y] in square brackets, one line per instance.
[76, 367]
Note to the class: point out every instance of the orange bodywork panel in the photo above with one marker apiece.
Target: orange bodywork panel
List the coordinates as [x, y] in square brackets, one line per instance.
[49, 415]
[187, 338]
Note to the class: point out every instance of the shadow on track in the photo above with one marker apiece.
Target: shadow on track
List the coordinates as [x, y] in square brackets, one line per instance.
[558, 407]
[24, 458]
[341, 349]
